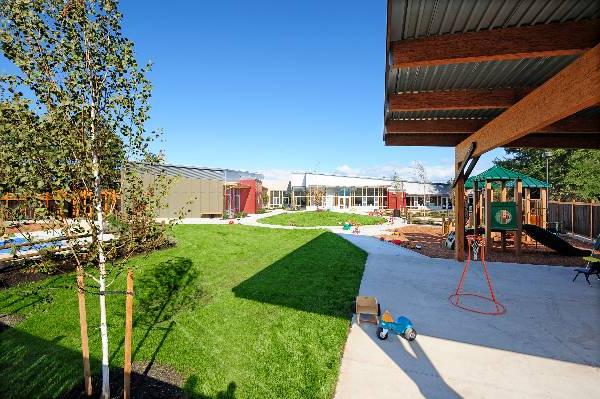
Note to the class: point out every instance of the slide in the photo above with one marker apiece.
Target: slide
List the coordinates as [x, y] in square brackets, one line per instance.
[552, 241]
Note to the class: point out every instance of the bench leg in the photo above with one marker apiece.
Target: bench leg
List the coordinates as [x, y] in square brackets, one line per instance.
[587, 278]
[577, 275]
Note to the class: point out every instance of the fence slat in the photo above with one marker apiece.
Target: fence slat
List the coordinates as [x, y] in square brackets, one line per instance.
[580, 218]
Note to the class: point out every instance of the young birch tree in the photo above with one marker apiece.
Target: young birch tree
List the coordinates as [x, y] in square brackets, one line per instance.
[82, 101]
[422, 177]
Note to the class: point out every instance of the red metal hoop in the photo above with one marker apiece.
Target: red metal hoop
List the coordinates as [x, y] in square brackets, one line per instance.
[478, 242]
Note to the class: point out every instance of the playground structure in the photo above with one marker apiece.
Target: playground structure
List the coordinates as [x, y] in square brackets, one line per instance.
[502, 203]
[507, 214]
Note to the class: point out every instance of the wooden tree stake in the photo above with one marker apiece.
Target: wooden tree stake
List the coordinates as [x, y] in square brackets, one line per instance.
[128, 331]
[85, 351]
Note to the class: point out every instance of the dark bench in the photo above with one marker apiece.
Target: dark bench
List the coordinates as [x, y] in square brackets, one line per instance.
[593, 264]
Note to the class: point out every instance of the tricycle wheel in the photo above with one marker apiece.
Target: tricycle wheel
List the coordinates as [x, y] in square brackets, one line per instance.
[410, 334]
[381, 334]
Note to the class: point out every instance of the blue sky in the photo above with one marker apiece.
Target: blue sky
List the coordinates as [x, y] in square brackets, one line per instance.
[273, 86]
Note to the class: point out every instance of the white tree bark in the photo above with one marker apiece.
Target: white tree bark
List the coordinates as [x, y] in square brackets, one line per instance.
[97, 196]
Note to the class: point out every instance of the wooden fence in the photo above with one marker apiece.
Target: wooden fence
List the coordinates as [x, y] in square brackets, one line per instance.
[70, 206]
[576, 217]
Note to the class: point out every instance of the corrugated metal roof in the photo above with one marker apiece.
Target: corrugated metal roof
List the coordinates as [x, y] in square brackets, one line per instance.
[195, 172]
[448, 114]
[418, 18]
[477, 75]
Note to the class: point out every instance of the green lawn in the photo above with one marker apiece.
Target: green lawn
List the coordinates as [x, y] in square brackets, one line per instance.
[321, 218]
[237, 311]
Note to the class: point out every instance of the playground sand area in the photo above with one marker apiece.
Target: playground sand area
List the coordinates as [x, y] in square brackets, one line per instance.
[431, 240]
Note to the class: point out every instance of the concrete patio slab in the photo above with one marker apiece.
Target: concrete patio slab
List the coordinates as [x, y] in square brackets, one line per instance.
[546, 345]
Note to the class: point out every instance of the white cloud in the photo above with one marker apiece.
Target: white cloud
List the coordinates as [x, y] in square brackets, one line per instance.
[435, 173]
[276, 179]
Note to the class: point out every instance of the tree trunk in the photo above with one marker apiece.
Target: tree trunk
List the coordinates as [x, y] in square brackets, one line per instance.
[99, 235]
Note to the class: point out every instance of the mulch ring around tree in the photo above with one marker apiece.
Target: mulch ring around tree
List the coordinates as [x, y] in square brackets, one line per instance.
[9, 320]
[158, 381]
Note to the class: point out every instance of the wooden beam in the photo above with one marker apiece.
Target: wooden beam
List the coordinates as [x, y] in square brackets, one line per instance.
[573, 89]
[532, 140]
[459, 216]
[589, 141]
[456, 99]
[573, 132]
[463, 165]
[544, 40]
[573, 124]
[424, 139]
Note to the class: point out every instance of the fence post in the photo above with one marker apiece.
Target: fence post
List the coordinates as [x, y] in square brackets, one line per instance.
[591, 221]
[573, 217]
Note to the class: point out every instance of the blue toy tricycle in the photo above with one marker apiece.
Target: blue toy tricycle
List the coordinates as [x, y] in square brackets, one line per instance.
[402, 326]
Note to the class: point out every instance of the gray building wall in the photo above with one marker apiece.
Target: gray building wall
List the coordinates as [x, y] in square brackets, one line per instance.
[195, 197]
[197, 191]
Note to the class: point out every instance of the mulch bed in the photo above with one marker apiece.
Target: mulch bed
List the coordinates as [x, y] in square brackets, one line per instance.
[156, 381]
[9, 320]
[431, 240]
[27, 228]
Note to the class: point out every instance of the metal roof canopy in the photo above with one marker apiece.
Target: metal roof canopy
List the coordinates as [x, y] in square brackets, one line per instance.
[498, 173]
[455, 65]
[483, 74]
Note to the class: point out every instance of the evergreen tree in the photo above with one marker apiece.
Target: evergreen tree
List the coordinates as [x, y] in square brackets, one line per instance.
[573, 174]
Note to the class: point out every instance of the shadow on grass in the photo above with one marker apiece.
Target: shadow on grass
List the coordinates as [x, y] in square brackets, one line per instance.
[322, 276]
[191, 385]
[161, 294]
[36, 368]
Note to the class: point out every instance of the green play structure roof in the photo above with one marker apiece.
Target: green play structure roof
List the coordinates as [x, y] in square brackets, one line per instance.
[498, 173]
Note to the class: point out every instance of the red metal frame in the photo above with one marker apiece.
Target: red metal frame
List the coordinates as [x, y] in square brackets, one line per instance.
[455, 298]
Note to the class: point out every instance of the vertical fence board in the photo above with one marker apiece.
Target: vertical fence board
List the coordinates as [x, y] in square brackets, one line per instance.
[595, 220]
[576, 218]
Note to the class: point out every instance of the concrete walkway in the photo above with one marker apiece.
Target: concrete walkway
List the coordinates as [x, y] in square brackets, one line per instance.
[546, 345]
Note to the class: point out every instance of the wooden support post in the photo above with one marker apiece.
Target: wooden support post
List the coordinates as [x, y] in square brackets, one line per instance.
[128, 333]
[503, 191]
[527, 205]
[475, 207]
[481, 205]
[519, 201]
[488, 215]
[544, 205]
[527, 209]
[85, 351]
[459, 212]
